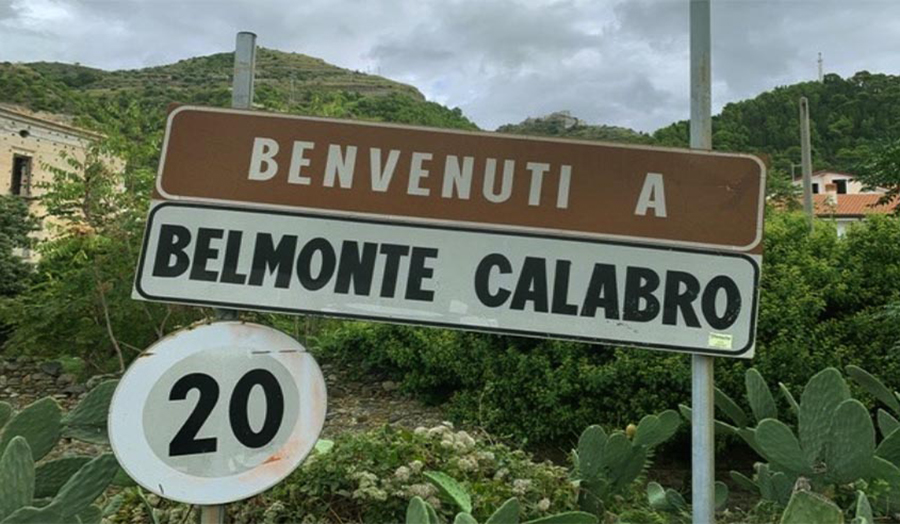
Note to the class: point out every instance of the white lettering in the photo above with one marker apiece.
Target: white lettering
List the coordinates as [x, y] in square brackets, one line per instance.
[264, 151]
[340, 166]
[537, 180]
[653, 195]
[461, 178]
[381, 176]
[298, 162]
[417, 173]
[490, 171]
[565, 178]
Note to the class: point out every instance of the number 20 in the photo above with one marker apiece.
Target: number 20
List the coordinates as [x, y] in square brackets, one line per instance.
[186, 442]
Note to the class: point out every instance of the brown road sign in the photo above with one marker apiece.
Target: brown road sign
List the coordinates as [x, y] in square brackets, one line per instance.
[423, 175]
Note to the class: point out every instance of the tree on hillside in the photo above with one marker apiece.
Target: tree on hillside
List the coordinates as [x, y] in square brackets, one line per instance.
[882, 169]
[16, 224]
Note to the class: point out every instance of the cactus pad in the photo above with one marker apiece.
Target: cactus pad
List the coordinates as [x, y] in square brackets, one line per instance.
[851, 446]
[792, 402]
[569, 517]
[762, 404]
[38, 423]
[87, 421]
[464, 518]
[417, 512]
[52, 475]
[874, 386]
[508, 513]
[730, 408]
[780, 447]
[6, 413]
[591, 446]
[87, 484]
[806, 508]
[823, 394]
[887, 424]
[16, 477]
[450, 488]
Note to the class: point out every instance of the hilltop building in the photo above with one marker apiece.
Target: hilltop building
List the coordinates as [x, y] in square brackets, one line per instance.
[31, 144]
[839, 196]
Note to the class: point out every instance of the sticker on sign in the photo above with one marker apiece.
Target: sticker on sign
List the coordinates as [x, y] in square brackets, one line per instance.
[217, 413]
[494, 281]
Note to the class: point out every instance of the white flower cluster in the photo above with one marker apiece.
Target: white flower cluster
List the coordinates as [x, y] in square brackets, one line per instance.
[367, 487]
[521, 486]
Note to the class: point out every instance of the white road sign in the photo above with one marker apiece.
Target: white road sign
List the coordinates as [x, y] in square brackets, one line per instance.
[217, 413]
[517, 283]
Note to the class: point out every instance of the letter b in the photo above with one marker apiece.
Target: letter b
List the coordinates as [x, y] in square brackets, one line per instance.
[172, 242]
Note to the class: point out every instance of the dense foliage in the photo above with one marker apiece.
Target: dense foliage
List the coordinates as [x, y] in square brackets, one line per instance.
[823, 303]
[881, 169]
[848, 117]
[16, 223]
[285, 82]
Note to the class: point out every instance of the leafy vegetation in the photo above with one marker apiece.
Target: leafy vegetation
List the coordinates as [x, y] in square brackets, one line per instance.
[849, 117]
[16, 224]
[822, 304]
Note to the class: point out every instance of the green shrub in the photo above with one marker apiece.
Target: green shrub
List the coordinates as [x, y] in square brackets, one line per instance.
[370, 477]
[823, 303]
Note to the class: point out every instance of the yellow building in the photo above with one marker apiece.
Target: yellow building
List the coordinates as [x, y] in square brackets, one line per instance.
[31, 144]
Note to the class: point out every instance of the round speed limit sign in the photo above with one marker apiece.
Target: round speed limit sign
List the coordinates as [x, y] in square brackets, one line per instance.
[217, 413]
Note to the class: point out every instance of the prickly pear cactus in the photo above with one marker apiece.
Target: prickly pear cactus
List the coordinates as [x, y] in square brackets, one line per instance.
[87, 421]
[38, 423]
[806, 508]
[52, 475]
[16, 477]
[451, 489]
[6, 413]
[86, 485]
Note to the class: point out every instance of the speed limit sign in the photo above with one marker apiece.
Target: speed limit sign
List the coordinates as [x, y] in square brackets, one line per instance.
[217, 413]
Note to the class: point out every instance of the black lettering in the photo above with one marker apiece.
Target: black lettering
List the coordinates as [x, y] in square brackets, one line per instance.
[640, 283]
[532, 285]
[185, 441]
[676, 299]
[172, 241]
[269, 258]
[419, 272]
[356, 268]
[602, 292]
[732, 302]
[232, 253]
[561, 290]
[392, 253]
[304, 264]
[483, 278]
[238, 413]
[203, 253]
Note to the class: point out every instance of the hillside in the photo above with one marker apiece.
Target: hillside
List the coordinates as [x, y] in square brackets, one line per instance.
[563, 125]
[848, 116]
[285, 82]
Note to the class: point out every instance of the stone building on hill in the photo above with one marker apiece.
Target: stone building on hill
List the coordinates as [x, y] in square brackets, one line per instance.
[31, 144]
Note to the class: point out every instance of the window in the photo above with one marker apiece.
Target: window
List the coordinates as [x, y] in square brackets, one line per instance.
[841, 186]
[21, 176]
[815, 189]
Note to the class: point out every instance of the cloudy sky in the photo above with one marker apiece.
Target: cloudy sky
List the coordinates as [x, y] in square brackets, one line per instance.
[620, 62]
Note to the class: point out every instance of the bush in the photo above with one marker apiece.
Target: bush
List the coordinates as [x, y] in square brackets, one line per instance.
[823, 303]
[370, 477]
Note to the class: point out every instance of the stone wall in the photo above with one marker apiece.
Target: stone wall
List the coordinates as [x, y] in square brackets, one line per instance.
[24, 380]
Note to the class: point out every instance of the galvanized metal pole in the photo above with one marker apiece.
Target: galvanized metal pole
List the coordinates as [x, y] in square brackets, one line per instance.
[702, 407]
[806, 161]
[241, 98]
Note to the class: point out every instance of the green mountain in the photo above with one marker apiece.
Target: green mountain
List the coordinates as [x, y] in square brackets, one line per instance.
[849, 117]
[285, 82]
[563, 125]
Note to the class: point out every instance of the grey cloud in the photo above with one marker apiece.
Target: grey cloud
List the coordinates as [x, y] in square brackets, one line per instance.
[621, 62]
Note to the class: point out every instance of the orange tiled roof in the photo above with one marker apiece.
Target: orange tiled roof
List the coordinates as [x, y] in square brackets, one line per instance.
[853, 205]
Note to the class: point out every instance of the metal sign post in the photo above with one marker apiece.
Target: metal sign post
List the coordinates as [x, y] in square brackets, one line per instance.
[241, 98]
[702, 371]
